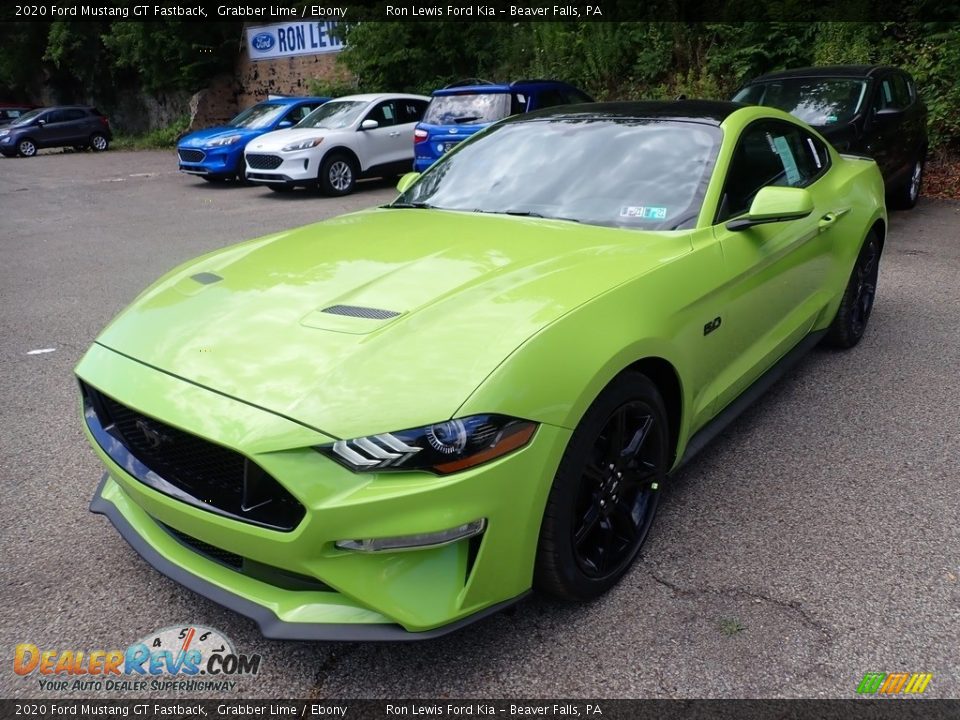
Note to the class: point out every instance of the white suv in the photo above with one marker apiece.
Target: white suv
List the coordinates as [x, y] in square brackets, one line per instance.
[349, 138]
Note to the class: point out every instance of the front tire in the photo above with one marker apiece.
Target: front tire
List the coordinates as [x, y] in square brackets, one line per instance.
[855, 308]
[26, 148]
[605, 493]
[99, 142]
[338, 175]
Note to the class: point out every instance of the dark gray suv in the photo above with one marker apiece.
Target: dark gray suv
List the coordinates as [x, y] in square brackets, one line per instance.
[76, 126]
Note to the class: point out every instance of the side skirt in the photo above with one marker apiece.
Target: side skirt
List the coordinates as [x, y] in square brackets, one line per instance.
[708, 432]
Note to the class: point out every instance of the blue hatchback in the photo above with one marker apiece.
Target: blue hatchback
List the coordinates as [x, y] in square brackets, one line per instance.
[216, 153]
[458, 111]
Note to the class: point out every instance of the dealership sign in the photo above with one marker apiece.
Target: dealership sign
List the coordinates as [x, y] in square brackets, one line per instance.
[298, 38]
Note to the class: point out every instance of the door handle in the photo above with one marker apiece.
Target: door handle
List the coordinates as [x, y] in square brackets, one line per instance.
[831, 217]
[395, 134]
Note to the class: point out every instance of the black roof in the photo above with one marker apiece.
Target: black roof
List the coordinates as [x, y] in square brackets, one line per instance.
[828, 71]
[712, 112]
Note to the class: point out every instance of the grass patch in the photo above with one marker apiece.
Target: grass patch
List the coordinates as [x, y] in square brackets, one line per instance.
[159, 139]
[731, 627]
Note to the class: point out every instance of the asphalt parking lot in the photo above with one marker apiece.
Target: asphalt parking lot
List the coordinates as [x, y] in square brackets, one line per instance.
[816, 540]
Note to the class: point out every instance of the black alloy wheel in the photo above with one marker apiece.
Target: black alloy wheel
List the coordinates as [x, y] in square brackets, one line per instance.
[605, 493]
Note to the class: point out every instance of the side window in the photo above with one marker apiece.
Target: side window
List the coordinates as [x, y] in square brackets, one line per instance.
[54, 116]
[72, 115]
[550, 98]
[518, 103]
[893, 93]
[769, 153]
[410, 111]
[299, 113]
[385, 113]
[574, 96]
[901, 91]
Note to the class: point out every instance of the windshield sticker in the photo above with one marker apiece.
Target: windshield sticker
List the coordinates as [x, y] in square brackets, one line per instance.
[644, 212]
[786, 157]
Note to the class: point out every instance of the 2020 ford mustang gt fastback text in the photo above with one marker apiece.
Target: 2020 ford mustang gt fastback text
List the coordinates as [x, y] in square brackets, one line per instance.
[393, 422]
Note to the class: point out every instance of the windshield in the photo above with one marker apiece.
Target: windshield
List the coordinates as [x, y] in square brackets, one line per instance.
[817, 101]
[334, 115]
[258, 116]
[642, 174]
[473, 109]
[26, 118]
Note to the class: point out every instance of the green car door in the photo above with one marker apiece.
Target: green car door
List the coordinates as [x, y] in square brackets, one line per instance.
[773, 272]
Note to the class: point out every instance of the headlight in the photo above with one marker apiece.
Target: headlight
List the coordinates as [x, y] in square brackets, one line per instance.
[4, 133]
[228, 140]
[442, 448]
[303, 144]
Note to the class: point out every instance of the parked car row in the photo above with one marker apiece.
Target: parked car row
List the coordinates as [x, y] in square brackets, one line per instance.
[287, 142]
[284, 143]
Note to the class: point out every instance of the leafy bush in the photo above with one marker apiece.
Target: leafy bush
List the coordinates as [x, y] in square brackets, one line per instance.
[159, 139]
[655, 60]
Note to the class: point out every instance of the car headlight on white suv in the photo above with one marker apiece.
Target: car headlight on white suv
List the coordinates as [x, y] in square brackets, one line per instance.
[302, 144]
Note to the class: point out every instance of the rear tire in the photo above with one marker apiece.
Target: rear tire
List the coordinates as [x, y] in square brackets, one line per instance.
[605, 493]
[851, 321]
[99, 142]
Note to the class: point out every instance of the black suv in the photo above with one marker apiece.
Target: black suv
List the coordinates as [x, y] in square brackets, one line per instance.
[863, 110]
[74, 126]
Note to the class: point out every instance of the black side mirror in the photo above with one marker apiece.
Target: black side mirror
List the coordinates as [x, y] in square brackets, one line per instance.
[41, 121]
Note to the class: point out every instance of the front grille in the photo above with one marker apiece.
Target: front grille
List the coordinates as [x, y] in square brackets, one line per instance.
[264, 162]
[190, 468]
[191, 156]
[278, 577]
[361, 312]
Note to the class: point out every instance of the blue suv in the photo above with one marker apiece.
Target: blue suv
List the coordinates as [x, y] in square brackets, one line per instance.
[216, 153]
[458, 111]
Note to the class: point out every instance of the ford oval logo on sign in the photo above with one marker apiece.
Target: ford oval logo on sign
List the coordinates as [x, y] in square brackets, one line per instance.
[262, 42]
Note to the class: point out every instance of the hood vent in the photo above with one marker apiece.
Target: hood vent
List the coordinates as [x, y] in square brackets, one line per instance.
[361, 312]
[206, 278]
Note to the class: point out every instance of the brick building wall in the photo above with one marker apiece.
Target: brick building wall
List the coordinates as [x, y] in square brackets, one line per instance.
[253, 81]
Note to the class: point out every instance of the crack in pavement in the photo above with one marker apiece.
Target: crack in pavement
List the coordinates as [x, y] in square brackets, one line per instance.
[794, 606]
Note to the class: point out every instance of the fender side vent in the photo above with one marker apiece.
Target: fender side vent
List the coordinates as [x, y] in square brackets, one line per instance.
[361, 312]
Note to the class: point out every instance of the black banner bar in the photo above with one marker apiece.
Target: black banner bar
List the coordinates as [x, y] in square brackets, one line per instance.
[271, 11]
[863, 709]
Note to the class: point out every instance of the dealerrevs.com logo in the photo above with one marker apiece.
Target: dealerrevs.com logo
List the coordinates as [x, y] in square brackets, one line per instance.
[185, 659]
[878, 683]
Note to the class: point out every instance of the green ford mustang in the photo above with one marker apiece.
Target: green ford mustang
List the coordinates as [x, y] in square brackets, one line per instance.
[389, 424]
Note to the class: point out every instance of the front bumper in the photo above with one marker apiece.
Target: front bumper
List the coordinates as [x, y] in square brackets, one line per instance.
[218, 161]
[295, 168]
[412, 594]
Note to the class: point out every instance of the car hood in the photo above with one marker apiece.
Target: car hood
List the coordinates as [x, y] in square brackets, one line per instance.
[201, 138]
[430, 303]
[277, 139]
